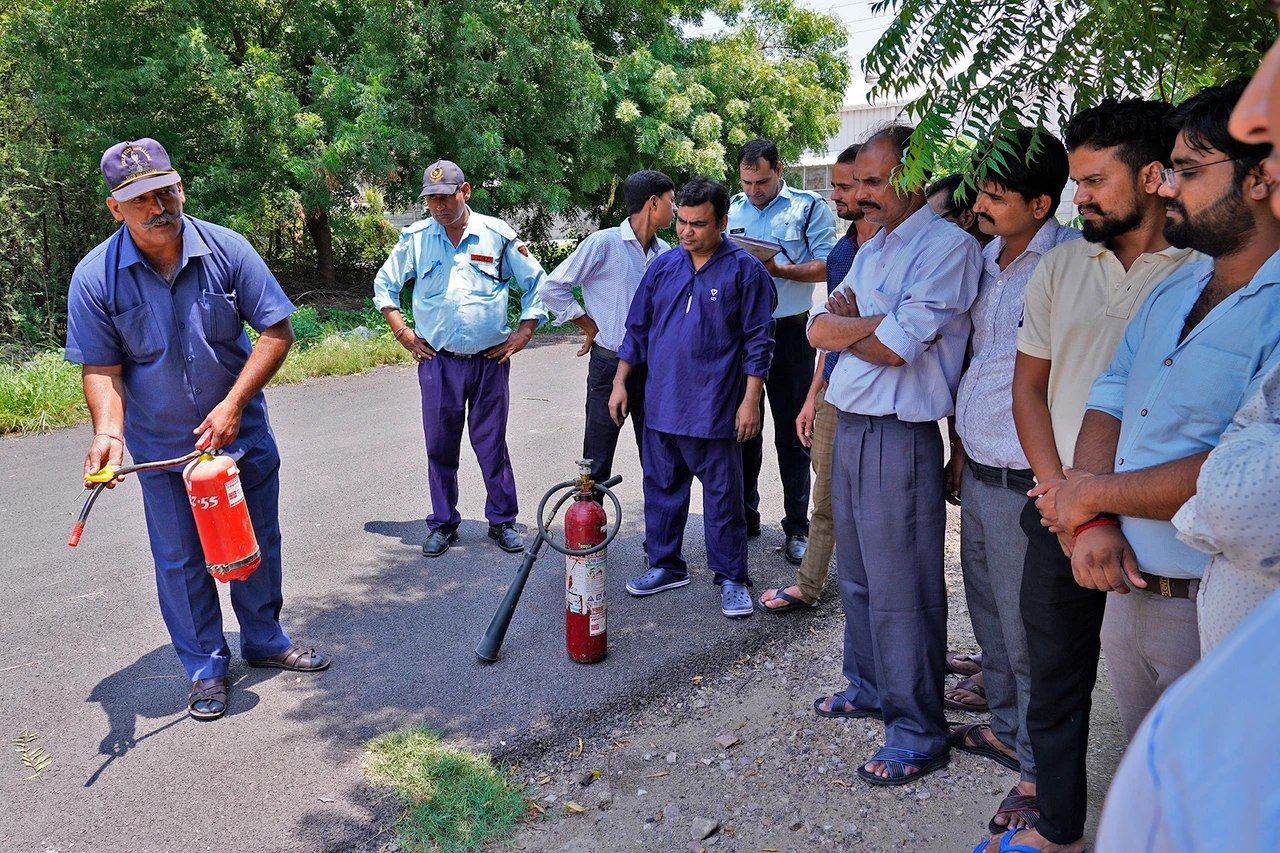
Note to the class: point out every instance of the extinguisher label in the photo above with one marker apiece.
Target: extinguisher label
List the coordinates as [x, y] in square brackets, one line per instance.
[235, 493]
[584, 586]
[596, 624]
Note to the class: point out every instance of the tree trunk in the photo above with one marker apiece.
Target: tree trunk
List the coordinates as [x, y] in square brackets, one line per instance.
[322, 238]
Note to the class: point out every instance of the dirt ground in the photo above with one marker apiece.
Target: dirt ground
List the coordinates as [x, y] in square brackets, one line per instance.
[787, 782]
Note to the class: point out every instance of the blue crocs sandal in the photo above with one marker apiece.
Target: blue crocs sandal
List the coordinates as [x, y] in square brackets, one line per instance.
[735, 601]
[900, 759]
[655, 580]
[1006, 844]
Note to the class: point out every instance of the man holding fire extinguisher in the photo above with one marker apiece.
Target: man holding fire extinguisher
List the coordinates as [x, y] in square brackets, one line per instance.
[156, 318]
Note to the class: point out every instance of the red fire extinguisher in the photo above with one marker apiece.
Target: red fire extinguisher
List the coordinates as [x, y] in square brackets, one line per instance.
[217, 502]
[585, 629]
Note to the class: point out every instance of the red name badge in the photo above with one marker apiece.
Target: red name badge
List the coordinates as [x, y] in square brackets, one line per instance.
[484, 259]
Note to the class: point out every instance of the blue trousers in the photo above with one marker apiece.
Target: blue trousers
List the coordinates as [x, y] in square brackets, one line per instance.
[475, 391]
[890, 517]
[189, 595]
[670, 464]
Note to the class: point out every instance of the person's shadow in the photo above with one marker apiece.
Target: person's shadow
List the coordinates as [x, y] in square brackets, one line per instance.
[152, 687]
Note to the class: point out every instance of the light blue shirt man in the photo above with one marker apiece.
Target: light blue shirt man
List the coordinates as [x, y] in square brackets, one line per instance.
[1173, 399]
[805, 226]
[922, 276]
[460, 293]
[608, 265]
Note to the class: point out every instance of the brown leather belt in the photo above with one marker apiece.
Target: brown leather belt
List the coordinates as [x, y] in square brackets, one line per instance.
[1167, 587]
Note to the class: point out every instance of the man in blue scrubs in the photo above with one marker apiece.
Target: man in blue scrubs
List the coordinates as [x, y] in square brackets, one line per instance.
[702, 325]
[156, 316]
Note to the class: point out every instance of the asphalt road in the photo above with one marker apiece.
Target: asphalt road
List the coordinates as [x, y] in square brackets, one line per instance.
[85, 660]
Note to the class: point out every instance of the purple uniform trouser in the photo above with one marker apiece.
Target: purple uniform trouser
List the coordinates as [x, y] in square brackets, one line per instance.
[670, 464]
[474, 390]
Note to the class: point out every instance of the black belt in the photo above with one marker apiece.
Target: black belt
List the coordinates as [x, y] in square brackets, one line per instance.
[1020, 480]
[1167, 587]
[457, 354]
[792, 320]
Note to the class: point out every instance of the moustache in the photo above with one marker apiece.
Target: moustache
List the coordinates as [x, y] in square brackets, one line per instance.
[1175, 206]
[982, 217]
[1091, 208]
[868, 205]
[162, 219]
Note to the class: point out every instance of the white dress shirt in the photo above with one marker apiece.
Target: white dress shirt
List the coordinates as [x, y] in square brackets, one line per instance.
[608, 266]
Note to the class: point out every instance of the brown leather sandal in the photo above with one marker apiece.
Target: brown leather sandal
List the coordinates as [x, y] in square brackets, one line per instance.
[296, 659]
[208, 699]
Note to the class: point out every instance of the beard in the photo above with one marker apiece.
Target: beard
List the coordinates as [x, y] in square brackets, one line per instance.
[1222, 228]
[1109, 227]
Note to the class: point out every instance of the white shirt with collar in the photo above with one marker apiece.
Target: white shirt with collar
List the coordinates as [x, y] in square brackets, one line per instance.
[608, 266]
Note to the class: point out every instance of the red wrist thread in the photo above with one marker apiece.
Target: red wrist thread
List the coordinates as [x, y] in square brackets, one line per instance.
[1097, 522]
[109, 435]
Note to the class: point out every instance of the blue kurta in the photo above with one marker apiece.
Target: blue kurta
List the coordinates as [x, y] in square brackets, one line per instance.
[701, 333]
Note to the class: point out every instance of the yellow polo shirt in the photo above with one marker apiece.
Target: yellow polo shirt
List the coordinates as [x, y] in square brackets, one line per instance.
[1077, 304]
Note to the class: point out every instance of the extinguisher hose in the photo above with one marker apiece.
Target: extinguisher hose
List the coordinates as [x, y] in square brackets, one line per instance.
[574, 488]
[120, 472]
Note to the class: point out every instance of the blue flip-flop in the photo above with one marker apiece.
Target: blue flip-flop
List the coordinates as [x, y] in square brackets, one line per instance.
[898, 760]
[1006, 844]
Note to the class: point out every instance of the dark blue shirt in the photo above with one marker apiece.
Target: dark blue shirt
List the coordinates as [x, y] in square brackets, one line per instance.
[181, 346]
[839, 262]
[701, 333]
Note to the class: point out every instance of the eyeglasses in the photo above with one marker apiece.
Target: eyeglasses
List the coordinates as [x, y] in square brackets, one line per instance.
[1169, 177]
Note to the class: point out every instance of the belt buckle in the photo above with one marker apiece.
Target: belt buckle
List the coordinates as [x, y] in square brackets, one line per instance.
[1166, 587]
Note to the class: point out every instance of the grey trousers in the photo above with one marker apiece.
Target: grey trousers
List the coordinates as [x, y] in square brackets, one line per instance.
[992, 550]
[887, 500]
[1149, 641]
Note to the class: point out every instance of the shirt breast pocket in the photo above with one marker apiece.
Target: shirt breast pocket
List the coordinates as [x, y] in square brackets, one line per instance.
[487, 271]
[792, 240]
[140, 333]
[1223, 376]
[220, 316]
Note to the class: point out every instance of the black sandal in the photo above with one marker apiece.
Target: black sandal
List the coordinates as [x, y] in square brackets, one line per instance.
[296, 659]
[208, 699]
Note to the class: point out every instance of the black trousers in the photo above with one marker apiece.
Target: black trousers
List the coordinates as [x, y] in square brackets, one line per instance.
[790, 375]
[600, 439]
[1064, 625]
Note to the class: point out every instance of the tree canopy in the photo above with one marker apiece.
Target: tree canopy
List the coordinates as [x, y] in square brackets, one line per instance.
[981, 67]
[285, 113]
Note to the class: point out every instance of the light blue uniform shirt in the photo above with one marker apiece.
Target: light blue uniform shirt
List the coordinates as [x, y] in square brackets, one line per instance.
[1174, 399]
[1201, 774]
[608, 266]
[460, 294]
[181, 345]
[923, 276]
[801, 221]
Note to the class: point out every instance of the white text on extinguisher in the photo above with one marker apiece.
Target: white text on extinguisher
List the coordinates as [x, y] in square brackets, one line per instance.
[203, 503]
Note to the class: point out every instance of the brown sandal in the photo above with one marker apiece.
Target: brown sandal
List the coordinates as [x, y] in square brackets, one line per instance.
[296, 659]
[208, 699]
[972, 688]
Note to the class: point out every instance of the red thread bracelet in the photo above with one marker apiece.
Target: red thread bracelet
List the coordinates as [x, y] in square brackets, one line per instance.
[396, 333]
[109, 435]
[1097, 522]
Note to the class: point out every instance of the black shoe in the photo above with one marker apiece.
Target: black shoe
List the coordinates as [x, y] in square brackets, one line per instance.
[794, 549]
[507, 537]
[753, 530]
[438, 541]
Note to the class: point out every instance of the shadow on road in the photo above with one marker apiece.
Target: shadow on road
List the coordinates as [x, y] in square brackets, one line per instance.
[154, 687]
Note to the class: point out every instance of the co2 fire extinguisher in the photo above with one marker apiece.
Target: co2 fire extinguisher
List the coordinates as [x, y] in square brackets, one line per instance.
[586, 636]
[585, 541]
[217, 503]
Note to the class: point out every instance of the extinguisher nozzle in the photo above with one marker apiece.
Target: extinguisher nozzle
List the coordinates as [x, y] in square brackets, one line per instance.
[75, 534]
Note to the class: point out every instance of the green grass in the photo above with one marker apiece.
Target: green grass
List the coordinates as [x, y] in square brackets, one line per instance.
[454, 801]
[339, 355]
[40, 394]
